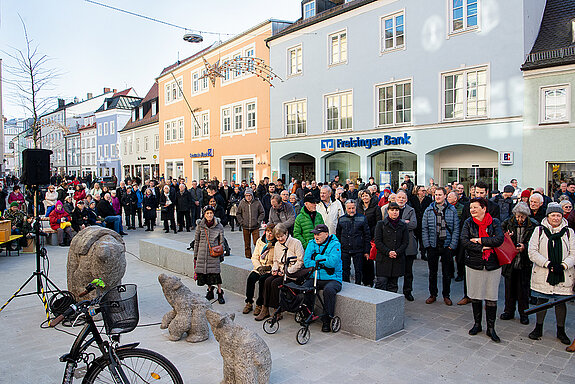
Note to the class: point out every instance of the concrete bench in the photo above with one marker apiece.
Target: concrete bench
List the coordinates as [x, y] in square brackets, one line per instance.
[367, 312]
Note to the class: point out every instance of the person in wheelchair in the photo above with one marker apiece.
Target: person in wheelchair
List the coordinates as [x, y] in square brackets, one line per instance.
[326, 247]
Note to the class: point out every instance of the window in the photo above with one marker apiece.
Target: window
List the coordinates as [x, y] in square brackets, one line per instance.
[126, 147]
[226, 120]
[146, 143]
[251, 116]
[309, 10]
[154, 108]
[463, 15]
[112, 150]
[250, 52]
[338, 48]
[106, 151]
[339, 111]
[173, 92]
[237, 118]
[555, 104]
[130, 146]
[195, 83]
[394, 103]
[105, 129]
[138, 145]
[141, 112]
[202, 125]
[393, 32]
[99, 129]
[237, 73]
[112, 127]
[296, 117]
[206, 124]
[204, 80]
[157, 142]
[465, 94]
[295, 63]
[180, 131]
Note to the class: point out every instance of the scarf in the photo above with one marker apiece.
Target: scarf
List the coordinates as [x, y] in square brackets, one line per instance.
[441, 225]
[555, 254]
[483, 224]
[394, 222]
[311, 214]
[210, 224]
[267, 247]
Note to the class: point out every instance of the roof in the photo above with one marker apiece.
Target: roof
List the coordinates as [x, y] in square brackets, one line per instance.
[119, 102]
[187, 60]
[122, 93]
[327, 14]
[148, 118]
[152, 93]
[554, 44]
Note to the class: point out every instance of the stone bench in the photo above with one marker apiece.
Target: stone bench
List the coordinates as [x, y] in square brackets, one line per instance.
[367, 312]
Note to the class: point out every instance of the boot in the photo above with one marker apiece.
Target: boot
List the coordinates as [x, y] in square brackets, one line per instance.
[210, 294]
[477, 314]
[257, 310]
[247, 308]
[571, 348]
[562, 336]
[537, 332]
[221, 297]
[264, 314]
[490, 315]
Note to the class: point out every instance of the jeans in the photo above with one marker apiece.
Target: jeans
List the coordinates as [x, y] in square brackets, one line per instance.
[254, 278]
[116, 221]
[387, 283]
[346, 259]
[330, 289]
[249, 236]
[434, 256]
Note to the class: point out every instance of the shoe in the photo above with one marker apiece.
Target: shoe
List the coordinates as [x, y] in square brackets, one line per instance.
[264, 314]
[562, 336]
[180, 230]
[506, 316]
[232, 230]
[148, 229]
[491, 315]
[210, 294]
[188, 230]
[537, 332]
[167, 231]
[477, 307]
[257, 310]
[409, 297]
[247, 308]
[466, 300]
[175, 232]
[458, 279]
[571, 348]
[430, 300]
[326, 327]
[61, 245]
[221, 299]
[447, 301]
[524, 319]
[140, 226]
[123, 233]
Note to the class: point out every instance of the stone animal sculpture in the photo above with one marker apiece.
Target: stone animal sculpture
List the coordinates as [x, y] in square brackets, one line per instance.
[95, 252]
[247, 358]
[189, 311]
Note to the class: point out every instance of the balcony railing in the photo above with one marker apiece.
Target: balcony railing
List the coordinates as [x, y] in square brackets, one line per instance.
[550, 54]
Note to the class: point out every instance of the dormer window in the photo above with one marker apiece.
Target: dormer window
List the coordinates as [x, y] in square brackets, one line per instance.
[309, 10]
[154, 108]
[573, 31]
[141, 113]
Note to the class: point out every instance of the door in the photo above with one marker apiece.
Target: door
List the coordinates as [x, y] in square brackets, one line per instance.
[469, 176]
[302, 171]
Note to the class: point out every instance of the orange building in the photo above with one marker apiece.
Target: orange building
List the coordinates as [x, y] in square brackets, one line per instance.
[229, 136]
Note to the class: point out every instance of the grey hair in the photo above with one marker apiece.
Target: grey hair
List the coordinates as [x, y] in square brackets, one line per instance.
[521, 209]
[402, 191]
[563, 198]
[326, 187]
[350, 201]
[277, 198]
[538, 196]
[565, 202]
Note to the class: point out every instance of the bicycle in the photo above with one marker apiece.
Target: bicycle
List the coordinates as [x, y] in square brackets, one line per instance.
[119, 364]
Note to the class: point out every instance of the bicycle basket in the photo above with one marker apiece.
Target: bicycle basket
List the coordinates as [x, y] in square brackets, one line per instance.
[119, 307]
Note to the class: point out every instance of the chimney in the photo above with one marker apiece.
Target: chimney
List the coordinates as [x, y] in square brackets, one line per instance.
[89, 95]
[76, 100]
[61, 103]
[114, 90]
[106, 90]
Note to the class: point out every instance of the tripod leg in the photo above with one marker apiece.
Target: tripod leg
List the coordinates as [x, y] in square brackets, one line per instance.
[45, 301]
[17, 292]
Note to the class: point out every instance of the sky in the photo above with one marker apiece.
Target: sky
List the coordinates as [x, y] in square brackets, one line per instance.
[95, 47]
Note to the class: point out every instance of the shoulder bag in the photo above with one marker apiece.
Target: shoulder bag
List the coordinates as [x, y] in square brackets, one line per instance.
[215, 251]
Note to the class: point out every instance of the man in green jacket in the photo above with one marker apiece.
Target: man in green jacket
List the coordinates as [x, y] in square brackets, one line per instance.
[307, 219]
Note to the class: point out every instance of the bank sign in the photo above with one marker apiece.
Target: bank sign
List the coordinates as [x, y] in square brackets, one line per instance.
[330, 145]
[209, 153]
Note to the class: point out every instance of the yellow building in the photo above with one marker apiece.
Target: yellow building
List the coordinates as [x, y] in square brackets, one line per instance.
[229, 136]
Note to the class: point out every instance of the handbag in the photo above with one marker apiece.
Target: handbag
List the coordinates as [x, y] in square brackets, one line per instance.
[507, 251]
[216, 250]
[372, 251]
[65, 224]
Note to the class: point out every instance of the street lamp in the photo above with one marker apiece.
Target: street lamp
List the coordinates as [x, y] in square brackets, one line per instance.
[193, 38]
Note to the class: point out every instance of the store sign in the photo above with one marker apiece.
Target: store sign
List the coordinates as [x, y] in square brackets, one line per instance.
[329, 145]
[209, 153]
[506, 158]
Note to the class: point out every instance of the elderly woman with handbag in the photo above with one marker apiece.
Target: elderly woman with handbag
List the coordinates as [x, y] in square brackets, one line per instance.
[262, 260]
[480, 234]
[552, 251]
[208, 251]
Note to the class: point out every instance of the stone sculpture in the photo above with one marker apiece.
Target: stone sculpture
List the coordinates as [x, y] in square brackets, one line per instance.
[189, 311]
[95, 252]
[247, 358]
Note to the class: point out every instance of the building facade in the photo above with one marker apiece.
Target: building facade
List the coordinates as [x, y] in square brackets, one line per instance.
[549, 73]
[15, 131]
[227, 135]
[392, 87]
[140, 139]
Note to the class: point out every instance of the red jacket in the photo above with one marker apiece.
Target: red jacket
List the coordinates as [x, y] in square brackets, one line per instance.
[55, 218]
[80, 195]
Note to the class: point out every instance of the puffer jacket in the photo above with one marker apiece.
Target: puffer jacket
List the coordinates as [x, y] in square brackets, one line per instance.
[204, 262]
[539, 256]
[428, 227]
[409, 214]
[510, 225]
[266, 260]
[388, 238]
[56, 218]
[331, 214]
[474, 252]
[331, 249]
[284, 214]
[353, 233]
[292, 247]
[304, 224]
[250, 215]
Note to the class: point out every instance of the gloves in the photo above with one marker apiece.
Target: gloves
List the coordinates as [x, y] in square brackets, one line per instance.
[556, 267]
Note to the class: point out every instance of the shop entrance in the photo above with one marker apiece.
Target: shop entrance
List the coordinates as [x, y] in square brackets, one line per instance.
[300, 167]
[201, 170]
[470, 176]
[558, 173]
[388, 167]
[344, 164]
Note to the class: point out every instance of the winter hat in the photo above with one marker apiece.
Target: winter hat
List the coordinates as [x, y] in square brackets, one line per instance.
[14, 204]
[309, 199]
[553, 207]
[319, 229]
[508, 189]
[526, 193]
[249, 191]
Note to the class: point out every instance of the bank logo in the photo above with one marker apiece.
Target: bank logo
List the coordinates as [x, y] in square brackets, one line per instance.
[328, 145]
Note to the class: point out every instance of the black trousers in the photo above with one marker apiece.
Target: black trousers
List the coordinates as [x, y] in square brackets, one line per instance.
[130, 219]
[184, 219]
[196, 213]
[169, 221]
[330, 289]
[434, 257]
[408, 274]
[460, 259]
[139, 214]
[517, 290]
[368, 272]
[358, 259]
[254, 278]
[271, 291]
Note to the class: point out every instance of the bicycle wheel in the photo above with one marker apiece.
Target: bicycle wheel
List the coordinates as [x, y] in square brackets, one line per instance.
[271, 326]
[139, 366]
[335, 324]
[303, 335]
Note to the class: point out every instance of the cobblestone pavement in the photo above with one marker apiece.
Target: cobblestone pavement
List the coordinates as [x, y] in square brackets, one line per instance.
[433, 348]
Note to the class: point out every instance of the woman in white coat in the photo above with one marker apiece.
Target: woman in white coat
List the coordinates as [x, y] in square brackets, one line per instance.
[552, 251]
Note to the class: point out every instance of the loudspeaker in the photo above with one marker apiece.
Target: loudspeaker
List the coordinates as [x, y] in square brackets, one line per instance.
[35, 167]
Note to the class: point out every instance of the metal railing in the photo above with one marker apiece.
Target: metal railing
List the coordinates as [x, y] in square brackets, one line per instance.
[550, 54]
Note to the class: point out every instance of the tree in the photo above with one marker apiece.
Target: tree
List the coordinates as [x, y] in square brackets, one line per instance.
[31, 77]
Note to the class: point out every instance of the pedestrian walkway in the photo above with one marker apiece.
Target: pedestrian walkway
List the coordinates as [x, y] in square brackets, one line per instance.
[433, 348]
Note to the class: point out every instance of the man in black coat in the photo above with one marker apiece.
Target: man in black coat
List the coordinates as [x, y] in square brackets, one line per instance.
[196, 195]
[105, 210]
[129, 202]
[183, 208]
[353, 233]
[267, 201]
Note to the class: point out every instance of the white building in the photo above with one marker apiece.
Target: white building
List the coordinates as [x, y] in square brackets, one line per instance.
[88, 146]
[14, 143]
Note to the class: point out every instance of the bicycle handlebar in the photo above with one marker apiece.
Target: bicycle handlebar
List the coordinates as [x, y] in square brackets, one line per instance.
[67, 313]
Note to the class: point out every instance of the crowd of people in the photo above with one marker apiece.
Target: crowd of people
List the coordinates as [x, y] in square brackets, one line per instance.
[378, 231]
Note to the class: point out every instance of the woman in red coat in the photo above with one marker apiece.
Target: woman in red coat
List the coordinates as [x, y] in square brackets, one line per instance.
[60, 221]
[79, 193]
